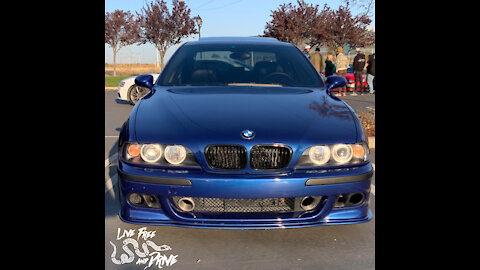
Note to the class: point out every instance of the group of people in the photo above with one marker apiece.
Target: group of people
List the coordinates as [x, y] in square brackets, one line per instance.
[341, 65]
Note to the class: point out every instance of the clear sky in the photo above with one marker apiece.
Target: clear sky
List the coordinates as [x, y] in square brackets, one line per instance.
[220, 18]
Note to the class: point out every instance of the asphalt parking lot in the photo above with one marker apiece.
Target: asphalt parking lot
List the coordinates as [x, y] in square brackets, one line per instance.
[324, 247]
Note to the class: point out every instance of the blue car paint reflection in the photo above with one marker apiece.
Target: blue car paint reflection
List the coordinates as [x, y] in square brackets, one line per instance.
[202, 114]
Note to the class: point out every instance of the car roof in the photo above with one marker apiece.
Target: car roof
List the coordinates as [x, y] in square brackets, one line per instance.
[238, 40]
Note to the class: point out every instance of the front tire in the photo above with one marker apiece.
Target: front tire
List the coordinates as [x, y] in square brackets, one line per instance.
[136, 92]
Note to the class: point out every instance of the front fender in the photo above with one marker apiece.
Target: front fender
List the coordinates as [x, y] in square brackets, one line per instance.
[357, 123]
[127, 131]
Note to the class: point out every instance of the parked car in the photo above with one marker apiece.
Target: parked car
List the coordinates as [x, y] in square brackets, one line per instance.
[242, 133]
[129, 91]
[351, 80]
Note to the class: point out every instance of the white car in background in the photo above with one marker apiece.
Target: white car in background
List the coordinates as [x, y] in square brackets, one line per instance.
[129, 91]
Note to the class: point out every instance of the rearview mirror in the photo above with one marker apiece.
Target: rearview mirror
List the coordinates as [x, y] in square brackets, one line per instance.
[334, 82]
[144, 80]
[240, 55]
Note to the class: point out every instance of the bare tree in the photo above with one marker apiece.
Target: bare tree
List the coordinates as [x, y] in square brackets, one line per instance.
[291, 23]
[367, 6]
[343, 28]
[305, 24]
[319, 33]
[163, 28]
[121, 29]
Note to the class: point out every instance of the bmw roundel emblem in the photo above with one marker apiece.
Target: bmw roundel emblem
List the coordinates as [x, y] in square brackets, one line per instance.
[248, 134]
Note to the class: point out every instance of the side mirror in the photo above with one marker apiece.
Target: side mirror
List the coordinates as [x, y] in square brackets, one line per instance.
[334, 82]
[144, 80]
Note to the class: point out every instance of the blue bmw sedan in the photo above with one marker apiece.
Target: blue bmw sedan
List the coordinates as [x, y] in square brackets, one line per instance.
[242, 133]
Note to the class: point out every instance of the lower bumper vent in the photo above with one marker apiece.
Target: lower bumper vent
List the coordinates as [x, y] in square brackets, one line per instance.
[240, 205]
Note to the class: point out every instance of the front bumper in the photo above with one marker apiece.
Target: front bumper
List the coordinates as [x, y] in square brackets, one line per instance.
[165, 184]
[122, 93]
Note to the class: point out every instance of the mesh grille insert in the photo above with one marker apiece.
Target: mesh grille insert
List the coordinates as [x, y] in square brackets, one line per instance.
[269, 157]
[228, 157]
[234, 205]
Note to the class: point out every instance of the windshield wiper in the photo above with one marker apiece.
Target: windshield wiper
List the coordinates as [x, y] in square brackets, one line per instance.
[255, 84]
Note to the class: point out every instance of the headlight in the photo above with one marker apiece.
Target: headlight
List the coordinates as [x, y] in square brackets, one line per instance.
[319, 154]
[158, 154]
[342, 153]
[175, 154]
[336, 154]
[151, 152]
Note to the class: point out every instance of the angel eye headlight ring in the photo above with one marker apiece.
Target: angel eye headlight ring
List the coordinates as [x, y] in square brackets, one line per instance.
[319, 154]
[342, 153]
[175, 154]
[151, 152]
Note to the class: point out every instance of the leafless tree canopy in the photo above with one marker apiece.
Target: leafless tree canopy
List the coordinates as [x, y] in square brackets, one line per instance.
[343, 28]
[367, 6]
[121, 29]
[305, 24]
[291, 23]
[163, 28]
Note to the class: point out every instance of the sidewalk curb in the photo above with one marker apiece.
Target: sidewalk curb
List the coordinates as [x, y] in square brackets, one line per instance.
[371, 142]
[109, 88]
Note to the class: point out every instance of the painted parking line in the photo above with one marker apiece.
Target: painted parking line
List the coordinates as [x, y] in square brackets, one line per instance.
[108, 137]
[110, 182]
[111, 159]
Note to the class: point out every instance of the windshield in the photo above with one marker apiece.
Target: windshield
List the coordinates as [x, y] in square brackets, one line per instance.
[255, 65]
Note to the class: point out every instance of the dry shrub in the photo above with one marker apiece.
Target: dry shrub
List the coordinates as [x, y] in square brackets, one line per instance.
[368, 122]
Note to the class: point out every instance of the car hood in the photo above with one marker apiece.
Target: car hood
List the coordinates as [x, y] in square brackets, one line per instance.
[211, 115]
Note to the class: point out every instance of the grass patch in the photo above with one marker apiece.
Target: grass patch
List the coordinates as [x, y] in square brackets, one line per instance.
[111, 81]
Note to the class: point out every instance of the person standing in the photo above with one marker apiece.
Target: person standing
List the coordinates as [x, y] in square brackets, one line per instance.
[316, 59]
[371, 73]
[358, 67]
[342, 65]
[329, 66]
[306, 51]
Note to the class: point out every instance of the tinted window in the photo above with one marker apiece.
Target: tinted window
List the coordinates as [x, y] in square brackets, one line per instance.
[238, 65]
